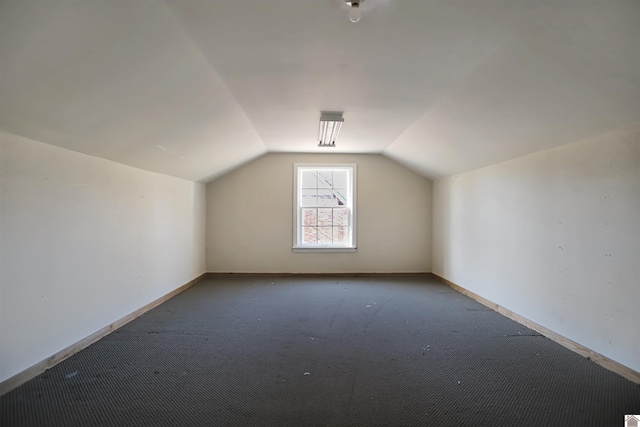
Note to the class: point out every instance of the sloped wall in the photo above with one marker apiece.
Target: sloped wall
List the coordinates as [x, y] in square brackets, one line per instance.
[250, 219]
[553, 236]
[84, 242]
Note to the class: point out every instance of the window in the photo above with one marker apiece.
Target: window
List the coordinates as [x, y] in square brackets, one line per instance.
[324, 207]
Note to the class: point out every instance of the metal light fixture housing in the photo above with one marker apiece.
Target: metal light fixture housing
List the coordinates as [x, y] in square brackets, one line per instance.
[354, 13]
[330, 125]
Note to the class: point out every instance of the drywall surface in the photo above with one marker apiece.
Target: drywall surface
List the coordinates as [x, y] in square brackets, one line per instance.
[84, 242]
[250, 219]
[553, 236]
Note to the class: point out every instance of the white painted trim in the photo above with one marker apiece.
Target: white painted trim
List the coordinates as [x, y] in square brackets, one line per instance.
[323, 249]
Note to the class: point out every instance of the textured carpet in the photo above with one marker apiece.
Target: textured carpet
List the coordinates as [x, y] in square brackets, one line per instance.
[247, 351]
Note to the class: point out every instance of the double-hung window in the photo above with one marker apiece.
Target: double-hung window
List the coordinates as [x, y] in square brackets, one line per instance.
[324, 207]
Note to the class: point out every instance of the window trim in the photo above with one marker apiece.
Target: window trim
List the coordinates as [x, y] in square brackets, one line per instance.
[297, 246]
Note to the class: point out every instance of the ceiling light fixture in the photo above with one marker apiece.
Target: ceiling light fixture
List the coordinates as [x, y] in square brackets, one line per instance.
[330, 124]
[354, 13]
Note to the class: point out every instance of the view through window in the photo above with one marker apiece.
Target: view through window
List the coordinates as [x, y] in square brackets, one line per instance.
[324, 203]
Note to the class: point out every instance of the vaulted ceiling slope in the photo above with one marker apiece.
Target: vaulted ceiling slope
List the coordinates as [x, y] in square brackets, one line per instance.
[193, 88]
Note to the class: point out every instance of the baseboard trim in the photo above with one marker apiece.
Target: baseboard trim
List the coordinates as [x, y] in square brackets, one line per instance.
[35, 370]
[219, 275]
[598, 358]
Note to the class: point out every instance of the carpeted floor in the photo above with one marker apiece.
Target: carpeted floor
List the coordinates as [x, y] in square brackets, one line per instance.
[248, 351]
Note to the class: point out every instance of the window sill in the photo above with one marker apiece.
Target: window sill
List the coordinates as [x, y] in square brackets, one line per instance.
[321, 249]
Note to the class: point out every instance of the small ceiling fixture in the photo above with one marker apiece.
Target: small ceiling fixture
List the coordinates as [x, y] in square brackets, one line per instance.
[354, 13]
[330, 124]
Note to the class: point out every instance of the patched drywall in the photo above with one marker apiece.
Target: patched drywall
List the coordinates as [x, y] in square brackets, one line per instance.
[250, 214]
[84, 242]
[553, 236]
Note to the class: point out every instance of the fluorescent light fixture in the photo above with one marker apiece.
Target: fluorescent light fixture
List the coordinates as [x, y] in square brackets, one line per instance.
[330, 124]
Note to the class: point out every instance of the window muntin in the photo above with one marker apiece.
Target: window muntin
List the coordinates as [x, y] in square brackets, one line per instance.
[324, 207]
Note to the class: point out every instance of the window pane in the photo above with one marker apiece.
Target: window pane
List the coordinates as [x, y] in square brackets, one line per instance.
[309, 235]
[325, 198]
[340, 235]
[340, 179]
[309, 179]
[325, 235]
[340, 196]
[309, 198]
[309, 216]
[325, 179]
[340, 216]
[325, 217]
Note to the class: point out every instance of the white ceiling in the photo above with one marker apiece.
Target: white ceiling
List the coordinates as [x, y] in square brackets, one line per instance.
[193, 88]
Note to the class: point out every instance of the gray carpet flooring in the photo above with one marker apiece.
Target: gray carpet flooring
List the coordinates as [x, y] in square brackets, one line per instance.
[392, 351]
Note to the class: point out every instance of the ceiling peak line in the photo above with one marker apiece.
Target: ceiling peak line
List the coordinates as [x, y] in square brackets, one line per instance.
[197, 50]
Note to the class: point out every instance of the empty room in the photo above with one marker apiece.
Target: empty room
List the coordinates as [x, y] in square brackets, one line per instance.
[319, 212]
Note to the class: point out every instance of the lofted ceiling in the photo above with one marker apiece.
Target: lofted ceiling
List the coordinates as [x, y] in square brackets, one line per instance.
[194, 88]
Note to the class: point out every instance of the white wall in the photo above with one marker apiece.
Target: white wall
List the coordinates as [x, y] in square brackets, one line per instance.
[250, 214]
[84, 242]
[553, 236]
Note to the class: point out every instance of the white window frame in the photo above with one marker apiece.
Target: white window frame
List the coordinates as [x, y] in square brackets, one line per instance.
[298, 246]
